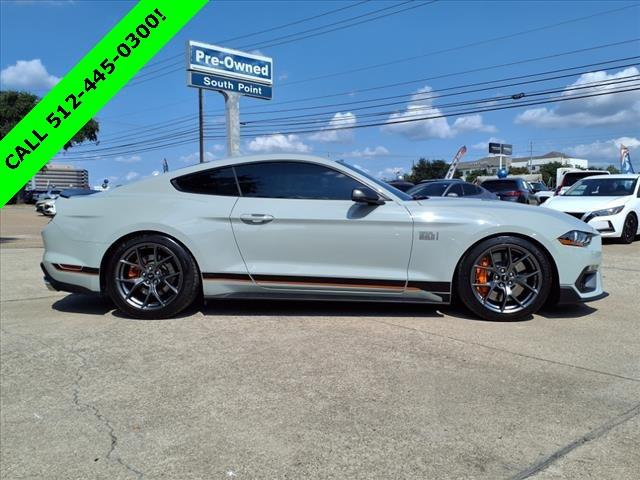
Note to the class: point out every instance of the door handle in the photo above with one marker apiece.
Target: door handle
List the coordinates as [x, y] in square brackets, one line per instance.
[256, 218]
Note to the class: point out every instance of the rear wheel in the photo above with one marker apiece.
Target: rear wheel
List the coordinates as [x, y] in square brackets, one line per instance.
[504, 278]
[630, 229]
[151, 277]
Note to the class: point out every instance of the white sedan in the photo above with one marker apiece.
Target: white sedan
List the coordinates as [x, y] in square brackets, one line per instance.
[302, 227]
[610, 204]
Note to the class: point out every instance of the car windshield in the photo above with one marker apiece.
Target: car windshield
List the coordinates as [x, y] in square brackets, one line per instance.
[500, 185]
[539, 186]
[431, 189]
[603, 187]
[385, 187]
[572, 177]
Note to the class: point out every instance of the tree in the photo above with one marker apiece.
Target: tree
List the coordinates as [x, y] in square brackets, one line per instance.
[14, 106]
[427, 170]
[612, 169]
[548, 172]
[518, 171]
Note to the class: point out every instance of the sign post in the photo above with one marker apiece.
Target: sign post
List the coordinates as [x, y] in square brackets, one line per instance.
[232, 73]
[501, 149]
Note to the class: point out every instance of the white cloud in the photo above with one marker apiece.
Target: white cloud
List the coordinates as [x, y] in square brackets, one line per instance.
[218, 148]
[391, 173]
[368, 152]
[155, 173]
[605, 151]
[194, 157]
[472, 123]
[485, 145]
[27, 75]
[278, 143]
[588, 112]
[131, 159]
[339, 120]
[131, 176]
[421, 105]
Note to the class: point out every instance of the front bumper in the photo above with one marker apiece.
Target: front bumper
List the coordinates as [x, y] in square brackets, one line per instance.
[609, 226]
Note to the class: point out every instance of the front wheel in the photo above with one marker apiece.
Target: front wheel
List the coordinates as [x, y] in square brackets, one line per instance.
[504, 278]
[152, 277]
[630, 229]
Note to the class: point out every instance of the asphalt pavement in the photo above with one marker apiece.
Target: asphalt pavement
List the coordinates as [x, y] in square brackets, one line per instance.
[312, 390]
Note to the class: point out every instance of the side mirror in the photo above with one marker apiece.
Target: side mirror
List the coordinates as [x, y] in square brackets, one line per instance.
[366, 195]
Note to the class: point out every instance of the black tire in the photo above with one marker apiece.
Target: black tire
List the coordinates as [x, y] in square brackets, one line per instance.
[629, 229]
[486, 301]
[162, 278]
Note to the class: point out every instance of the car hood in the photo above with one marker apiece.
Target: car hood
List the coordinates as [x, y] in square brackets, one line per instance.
[583, 204]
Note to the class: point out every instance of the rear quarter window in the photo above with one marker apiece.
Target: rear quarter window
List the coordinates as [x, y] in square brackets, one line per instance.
[218, 181]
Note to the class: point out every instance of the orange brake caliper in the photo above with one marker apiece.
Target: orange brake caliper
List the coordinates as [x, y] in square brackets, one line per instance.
[482, 276]
[133, 272]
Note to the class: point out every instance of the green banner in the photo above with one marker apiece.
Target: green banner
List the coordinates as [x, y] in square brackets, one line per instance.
[88, 87]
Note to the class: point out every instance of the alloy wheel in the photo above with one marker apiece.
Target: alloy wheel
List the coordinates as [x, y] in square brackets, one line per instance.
[149, 276]
[506, 278]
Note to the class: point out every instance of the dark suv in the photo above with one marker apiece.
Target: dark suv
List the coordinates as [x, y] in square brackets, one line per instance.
[511, 190]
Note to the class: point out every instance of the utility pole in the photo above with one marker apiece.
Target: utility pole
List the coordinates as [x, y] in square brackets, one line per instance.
[530, 155]
[201, 122]
[232, 113]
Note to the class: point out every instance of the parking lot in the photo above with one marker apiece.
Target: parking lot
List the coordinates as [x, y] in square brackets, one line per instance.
[313, 390]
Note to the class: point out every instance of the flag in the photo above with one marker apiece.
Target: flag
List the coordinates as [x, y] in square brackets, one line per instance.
[625, 160]
[165, 166]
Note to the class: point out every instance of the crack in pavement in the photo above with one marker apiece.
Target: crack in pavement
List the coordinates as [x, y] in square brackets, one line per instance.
[489, 347]
[99, 415]
[86, 406]
[592, 435]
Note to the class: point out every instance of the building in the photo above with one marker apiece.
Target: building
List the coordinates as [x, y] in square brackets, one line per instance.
[534, 163]
[59, 177]
[492, 164]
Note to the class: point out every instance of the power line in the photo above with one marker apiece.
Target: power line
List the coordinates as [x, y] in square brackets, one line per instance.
[415, 57]
[304, 37]
[433, 94]
[561, 98]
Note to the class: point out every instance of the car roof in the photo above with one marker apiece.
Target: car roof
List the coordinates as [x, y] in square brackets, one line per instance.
[620, 175]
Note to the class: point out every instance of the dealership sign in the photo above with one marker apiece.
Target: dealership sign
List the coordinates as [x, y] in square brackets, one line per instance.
[501, 148]
[218, 68]
[216, 82]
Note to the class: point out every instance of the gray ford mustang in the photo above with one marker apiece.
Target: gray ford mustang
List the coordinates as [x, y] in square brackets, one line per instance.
[302, 227]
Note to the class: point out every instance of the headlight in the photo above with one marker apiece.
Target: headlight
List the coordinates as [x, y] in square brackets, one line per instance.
[604, 213]
[576, 238]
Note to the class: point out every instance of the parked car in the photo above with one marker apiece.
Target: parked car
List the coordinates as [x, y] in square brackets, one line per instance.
[48, 195]
[401, 185]
[512, 189]
[48, 207]
[304, 227]
[450, 188]
[565, 178]
[541, 191]
[610, 204]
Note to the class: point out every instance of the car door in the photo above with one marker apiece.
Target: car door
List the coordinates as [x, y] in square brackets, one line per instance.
[297, 228]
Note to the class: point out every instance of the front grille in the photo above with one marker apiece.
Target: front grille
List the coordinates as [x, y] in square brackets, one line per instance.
[578, 215]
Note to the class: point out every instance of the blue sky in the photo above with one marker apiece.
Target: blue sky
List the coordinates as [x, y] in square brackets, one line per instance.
[41, 40]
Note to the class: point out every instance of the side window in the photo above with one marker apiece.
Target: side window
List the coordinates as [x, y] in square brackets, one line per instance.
[217, 181]
[294, 180]
[455, 188]
[469, 189]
